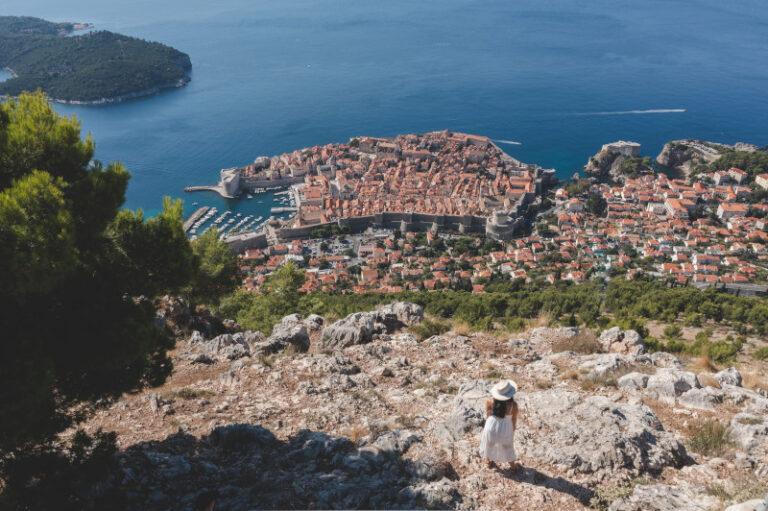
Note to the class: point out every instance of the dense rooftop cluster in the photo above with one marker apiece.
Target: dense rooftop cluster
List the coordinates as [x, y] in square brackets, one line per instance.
[699, 233]
[436, 173]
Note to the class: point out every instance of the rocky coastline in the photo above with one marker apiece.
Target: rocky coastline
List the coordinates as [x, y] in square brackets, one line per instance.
[684, 155]
[128, 97]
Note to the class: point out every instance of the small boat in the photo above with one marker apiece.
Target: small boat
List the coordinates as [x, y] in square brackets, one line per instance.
[249, 196]
[194, 203]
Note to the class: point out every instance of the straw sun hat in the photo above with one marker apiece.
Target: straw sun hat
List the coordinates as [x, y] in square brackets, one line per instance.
[504, 390]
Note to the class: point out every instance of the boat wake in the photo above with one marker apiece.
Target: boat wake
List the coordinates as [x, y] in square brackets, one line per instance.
[638, 112]
[510, 142]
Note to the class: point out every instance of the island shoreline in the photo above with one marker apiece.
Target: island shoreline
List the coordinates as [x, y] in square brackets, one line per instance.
[118, 99]
[127, 97]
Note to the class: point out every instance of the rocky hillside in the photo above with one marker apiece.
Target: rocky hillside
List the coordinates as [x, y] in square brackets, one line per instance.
[683, 155]
[360, 414]
[616, 161]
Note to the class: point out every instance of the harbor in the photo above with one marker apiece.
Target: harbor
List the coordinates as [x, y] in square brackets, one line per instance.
[247, 213]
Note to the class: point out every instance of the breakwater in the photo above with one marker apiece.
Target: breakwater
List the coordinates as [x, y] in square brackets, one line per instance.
[194, 217]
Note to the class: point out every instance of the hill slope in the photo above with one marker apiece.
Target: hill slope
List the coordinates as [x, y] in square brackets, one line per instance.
[360, 414]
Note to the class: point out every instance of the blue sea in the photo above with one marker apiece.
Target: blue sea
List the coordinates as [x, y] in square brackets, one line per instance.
[558, 77]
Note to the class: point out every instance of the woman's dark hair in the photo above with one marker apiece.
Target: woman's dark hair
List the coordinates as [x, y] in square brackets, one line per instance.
[500, 407]
[205, 499]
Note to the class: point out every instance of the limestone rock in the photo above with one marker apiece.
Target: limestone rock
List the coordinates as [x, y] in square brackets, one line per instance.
[662, 497]
[360, 327]
[705, 398]
[314, 322]
[668, 384]
[202, 358]
[729, 376]
[229, 346]
[543, 369]
[595, 436]
[598, 365]
[668, 360]
[628, 342]
[522, 349]
[633, 381]
[336, 363]
[196, 338]
[405, 313]
[288, 333]
[397, 441]
[433, 495]
[684, 154]
[749, 431]
[750, 505]
[753, 402]
[252, 337]
[356, 328]
[468, 409]
[608, 161]
[542, 338]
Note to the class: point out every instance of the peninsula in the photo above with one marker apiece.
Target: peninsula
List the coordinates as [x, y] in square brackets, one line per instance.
[443, 179]
[93, 68]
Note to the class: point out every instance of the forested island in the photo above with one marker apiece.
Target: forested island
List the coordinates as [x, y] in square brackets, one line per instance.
[92, 68]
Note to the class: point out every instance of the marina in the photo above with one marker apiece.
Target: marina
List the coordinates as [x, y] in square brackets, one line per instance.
[230, 216]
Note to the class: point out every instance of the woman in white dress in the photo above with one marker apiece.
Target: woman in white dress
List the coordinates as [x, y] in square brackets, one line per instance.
[498, 442]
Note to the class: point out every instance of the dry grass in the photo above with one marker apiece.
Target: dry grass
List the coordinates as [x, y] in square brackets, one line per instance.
[754, 381]
[710, 438]
[189, 393]
[571, 375]
[610, 379]
[461, 328]
[746, 486]
[703, 364]
[441, 386]
[584, 343]
[596, 382]
[406, 422]
[708, 380]
[356, 432]
[544, 318]
[750, 421]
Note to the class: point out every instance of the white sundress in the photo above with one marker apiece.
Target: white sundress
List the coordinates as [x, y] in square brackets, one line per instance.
[498, 442]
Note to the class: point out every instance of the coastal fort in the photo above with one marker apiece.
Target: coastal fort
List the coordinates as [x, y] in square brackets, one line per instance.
[440, 180]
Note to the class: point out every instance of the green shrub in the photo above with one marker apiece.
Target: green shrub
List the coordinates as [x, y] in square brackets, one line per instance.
[718, 351]
[710, 438]
[187, 393]
[761, 354]
[693, 320]
[604, 496]
[672, 332]
[428, 328]
[584, 343]
[630, 323]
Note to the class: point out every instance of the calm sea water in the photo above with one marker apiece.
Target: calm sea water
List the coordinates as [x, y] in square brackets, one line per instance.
[561, 77]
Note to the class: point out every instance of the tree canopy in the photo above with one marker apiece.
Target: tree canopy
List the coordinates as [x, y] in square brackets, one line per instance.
[75, 271]
[218, 273]
[85, 67]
